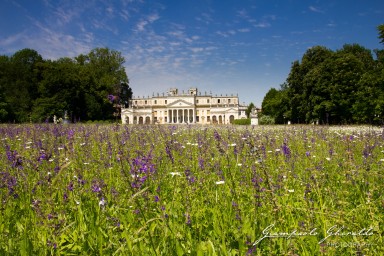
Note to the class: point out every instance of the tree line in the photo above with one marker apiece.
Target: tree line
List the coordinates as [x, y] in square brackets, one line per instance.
[345, 86]
[87, 87]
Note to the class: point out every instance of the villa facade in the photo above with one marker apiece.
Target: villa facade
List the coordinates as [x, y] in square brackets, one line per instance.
[178, 108]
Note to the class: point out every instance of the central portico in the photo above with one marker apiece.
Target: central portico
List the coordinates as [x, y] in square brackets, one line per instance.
[181, 111]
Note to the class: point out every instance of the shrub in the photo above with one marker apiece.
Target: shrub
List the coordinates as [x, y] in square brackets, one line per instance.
[266, 120]
[246, 121]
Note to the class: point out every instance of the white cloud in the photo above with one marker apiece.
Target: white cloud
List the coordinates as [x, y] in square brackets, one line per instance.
[244, 30]
[315, 9]
[196, 50]
[147, 20]
[262, 24]
[12, 39]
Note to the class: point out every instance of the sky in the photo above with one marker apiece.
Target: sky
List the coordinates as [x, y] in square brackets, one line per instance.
[242, 47]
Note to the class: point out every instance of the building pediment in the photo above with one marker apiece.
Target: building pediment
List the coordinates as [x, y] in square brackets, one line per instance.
[224, 110]
[180, 104]
[232, 110]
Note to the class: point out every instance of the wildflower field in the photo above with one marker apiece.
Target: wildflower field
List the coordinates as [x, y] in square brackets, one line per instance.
[191, 190]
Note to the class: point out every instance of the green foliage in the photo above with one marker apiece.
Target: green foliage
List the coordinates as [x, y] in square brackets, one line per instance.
[331, 87]
[266, 120]
[244, 121]
[249, 109]
[33, 89]
[380, 28]
[275, 105]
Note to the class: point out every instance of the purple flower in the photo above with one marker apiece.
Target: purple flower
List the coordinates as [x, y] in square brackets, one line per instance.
[14, 158]
[157, 199]
[201, 163]
[80, 180]
[42, 157]
[141, 169]
[188, 219]
[111, 98]
[96, 188]
[251, 250]
[70, 186]
[216, 135]
[169, 153]
[65, 196]
[286, 150]
[71, 133]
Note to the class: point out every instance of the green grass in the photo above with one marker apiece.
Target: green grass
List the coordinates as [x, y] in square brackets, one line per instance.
[81, 190]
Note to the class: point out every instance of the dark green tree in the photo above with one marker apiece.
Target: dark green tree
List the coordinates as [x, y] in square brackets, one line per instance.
[21, 84]
[380, 29]
[249, 109]
[4, 80]
[276, 105]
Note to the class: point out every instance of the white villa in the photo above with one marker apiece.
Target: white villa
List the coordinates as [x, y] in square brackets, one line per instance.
[189, 107]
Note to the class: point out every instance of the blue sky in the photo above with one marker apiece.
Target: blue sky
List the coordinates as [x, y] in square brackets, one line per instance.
[218, 46]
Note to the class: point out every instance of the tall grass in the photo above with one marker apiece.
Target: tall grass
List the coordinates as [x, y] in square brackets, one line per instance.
[191, 190]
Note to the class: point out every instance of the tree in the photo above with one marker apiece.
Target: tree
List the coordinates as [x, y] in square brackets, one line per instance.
[380, 28]
[20, 84]
[275, 105]
[4, 69]
[249, 109]
[35, 89]
[106, 75]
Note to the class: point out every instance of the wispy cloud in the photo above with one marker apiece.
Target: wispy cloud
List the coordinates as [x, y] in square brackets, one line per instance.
[244, 30]
[205, 18]
[262, 24]
[315, 9]
[146, 21]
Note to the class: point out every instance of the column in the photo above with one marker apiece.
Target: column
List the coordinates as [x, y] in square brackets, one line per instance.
[177, 115]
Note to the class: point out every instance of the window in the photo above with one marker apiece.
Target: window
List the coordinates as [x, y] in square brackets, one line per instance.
[165, 101]
[218, 100]
[155, 101]
[207, 100]
[145, 102]
[229, 101]
[135, 102]
[197, 101]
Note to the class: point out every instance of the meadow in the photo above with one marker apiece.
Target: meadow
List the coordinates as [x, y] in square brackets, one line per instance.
[191, 190]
